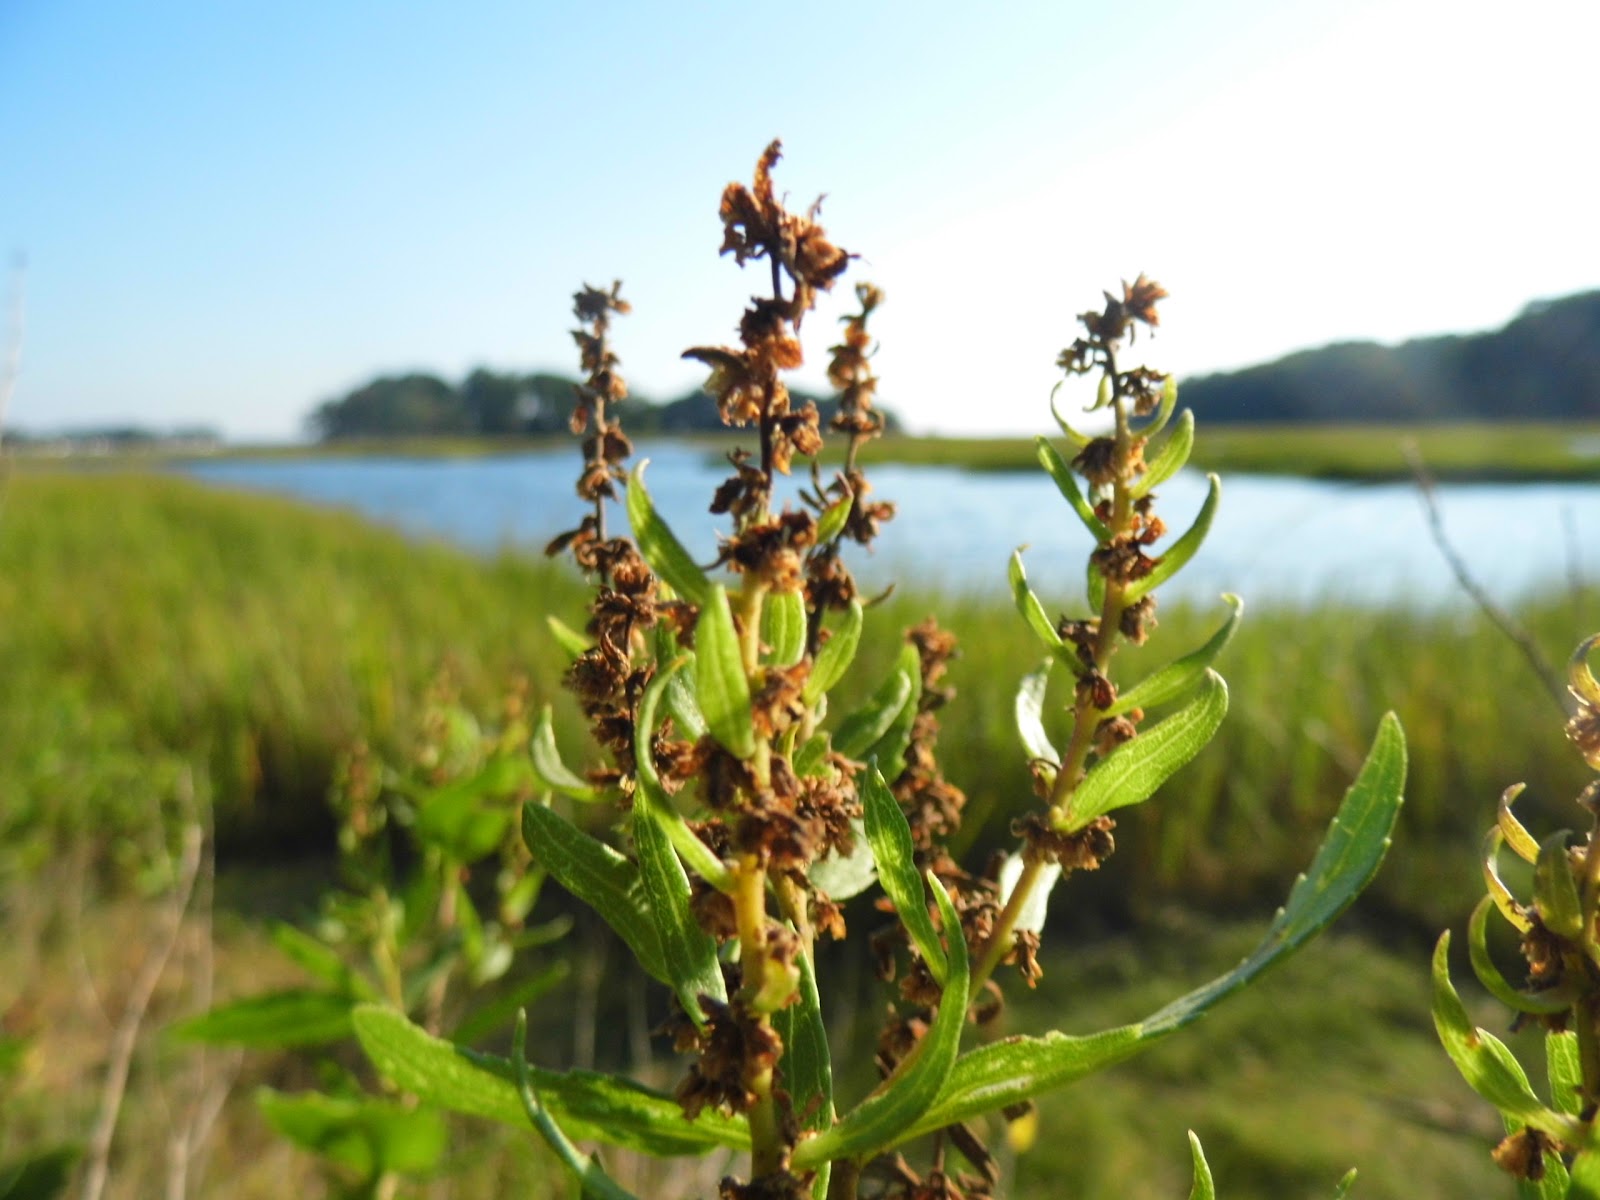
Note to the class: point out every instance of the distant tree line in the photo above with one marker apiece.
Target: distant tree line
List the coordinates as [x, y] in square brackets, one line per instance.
[1544, 365]
[494, 404]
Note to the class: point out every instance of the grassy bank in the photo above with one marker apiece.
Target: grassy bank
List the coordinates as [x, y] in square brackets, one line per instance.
[1510, 452]
[1457, 451]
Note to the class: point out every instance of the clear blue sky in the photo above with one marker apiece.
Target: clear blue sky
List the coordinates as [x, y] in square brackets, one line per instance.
[231, 211]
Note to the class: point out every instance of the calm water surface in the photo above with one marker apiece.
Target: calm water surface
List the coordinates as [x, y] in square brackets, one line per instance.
[1274, 539]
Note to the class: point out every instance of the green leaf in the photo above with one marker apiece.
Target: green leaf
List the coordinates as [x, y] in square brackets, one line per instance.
[321, 960]
[1203, 1188]
[1132, 772]
[1181, 551]
[652, 796]
[1345, 1184]
[494, 1015]
[783, 627]
[461, 817]
[40, 1176]
[1037, 905]
[1484, 1062]
[879, 1120]
[680, 703]
[1050, 459]
[591, 1177]
[807, 1066]
[1584, 1182]
[844, 876]
[660, 547]
[1555, 891]
[568, 638]
[1031, 609]
[600, 877]
[1095, 587]
[1564, 1071]
[1019, 1068]
[1522, 842]
[1169, 402]
[296, 1017]
[590, 1106]
[831, 521]
[1169, 460]
[1074, 438]
[365, 1136]
[868, 725]
[1498, 891]
[1176, 678]
[1496, 984]
[890, 836]
[689, 952]
[811, 759]
[835, 656]
[890, 749]
[1030, 714]
[723, 690]
[548, 768]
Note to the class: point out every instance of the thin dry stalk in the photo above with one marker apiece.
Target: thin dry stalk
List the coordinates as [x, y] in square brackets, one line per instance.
[126, 1035]
[1502, 620]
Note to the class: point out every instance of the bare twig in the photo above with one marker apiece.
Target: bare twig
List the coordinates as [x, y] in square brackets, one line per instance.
[126, 1035]
[1502, 620]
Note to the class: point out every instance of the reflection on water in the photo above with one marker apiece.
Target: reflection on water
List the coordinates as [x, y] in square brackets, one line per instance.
[1274, 539]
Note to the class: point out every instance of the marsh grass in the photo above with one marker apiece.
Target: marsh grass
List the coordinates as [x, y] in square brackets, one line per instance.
[146, 619]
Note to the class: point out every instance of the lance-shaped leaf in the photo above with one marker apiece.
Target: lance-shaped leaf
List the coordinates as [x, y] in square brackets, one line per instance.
[1564, 1070]
[552, 773]
[890, 836]
[1580, 679]
[880, 1120]
[890, 749]
[1555, 891]
[831, 521]
[841, 876]
[721, 686]
[296, 1017]
[1037, 904]
[1522, 842]
[1484, 1062]
[1095, 587]
[1203, 1188]
[603, 879]
[1498, 891]
[807, 1066]
[1345, 1184]
[603, 1108]
[1050, 459]
[1497, 985]
[1181, 551]
[679, 699]
[321, 960]
[871, 723]
[568, 638]
[1019, 1068]
[783, 627]
[1132, 772]
[1169, 460]
[1030, 714]
[1176, 678]
[689, 953]
[1169, 402]
[835, 656]
[1028, 605]
[592, 1179]
[363, 1134]
[659, 546]
[492, 1016]
[1074, 438]
[653, 798]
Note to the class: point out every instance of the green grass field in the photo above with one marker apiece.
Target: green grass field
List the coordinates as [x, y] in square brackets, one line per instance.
[159, 639]
[1510, 451]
